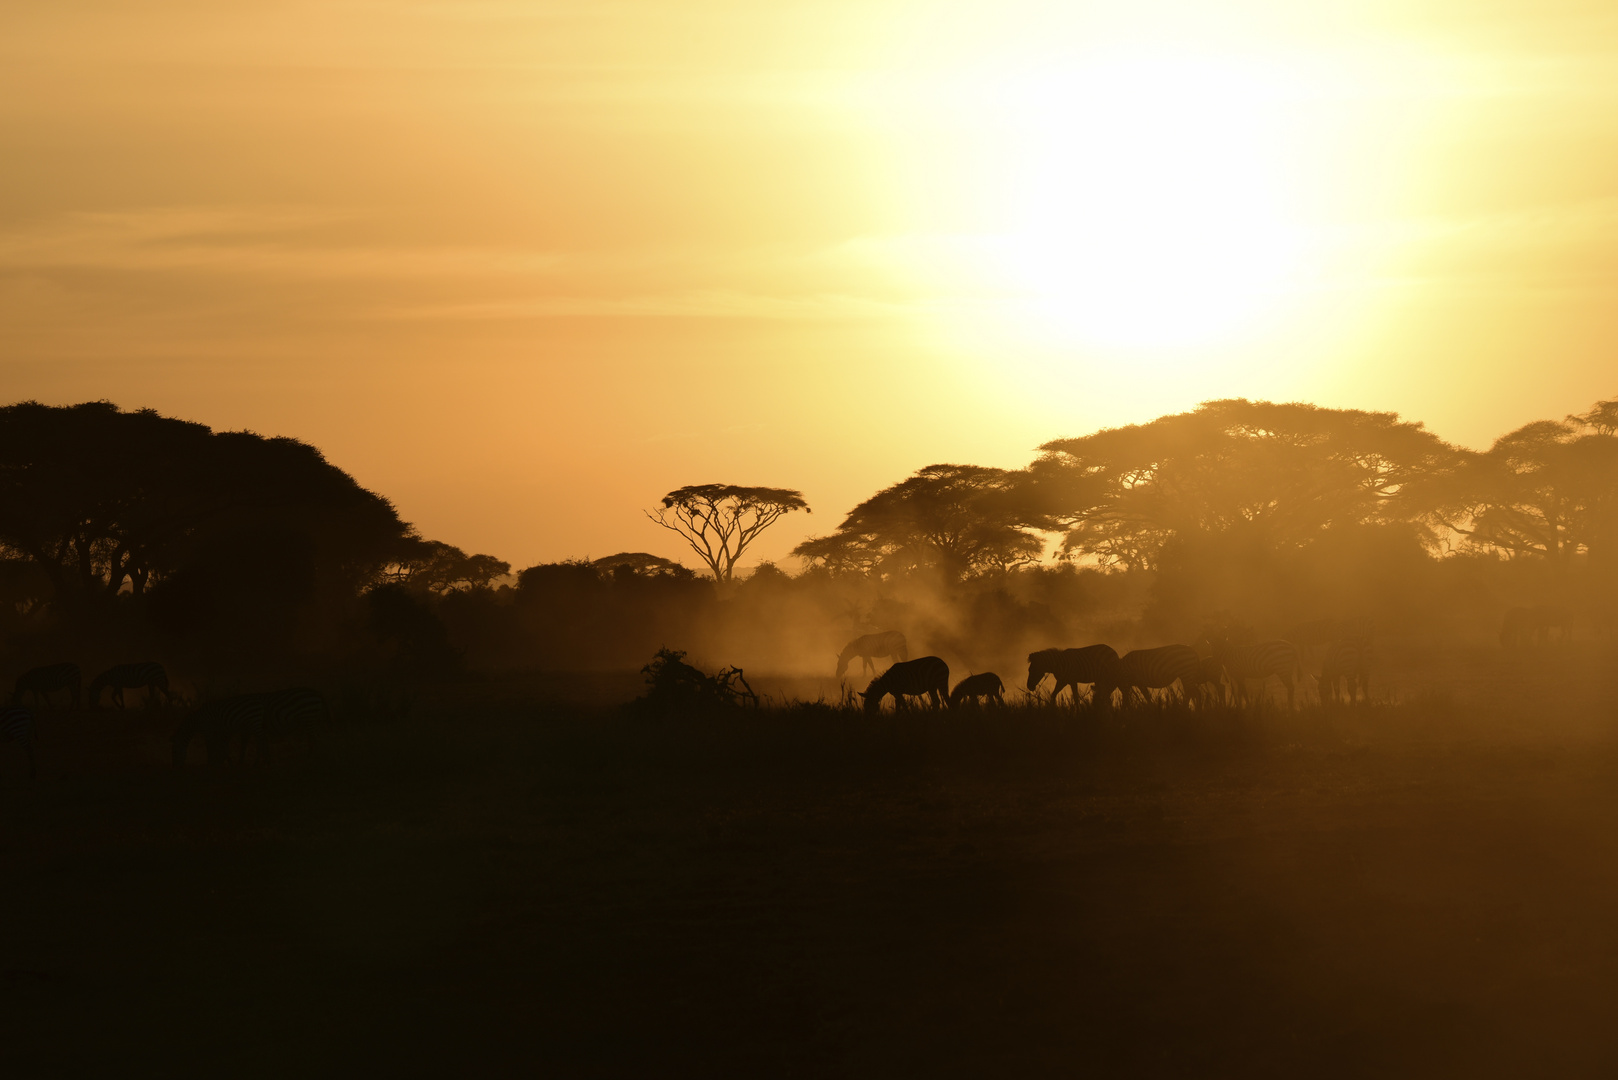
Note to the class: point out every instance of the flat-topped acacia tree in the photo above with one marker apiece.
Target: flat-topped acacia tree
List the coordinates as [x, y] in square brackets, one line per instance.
[719, 521]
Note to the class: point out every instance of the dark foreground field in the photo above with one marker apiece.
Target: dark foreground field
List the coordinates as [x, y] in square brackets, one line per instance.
[1422, 889]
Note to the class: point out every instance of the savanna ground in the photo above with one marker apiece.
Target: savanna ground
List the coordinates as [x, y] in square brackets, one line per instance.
[486, 886]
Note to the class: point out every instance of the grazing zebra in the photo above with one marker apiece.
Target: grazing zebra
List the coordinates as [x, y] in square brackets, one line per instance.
[45, 681]
[1259, 661]
[129, 677]
[218, 722]
[1095, 665]
[1206, 682]
[979, 689]
[907, 679]
[888, 643]
[1523, 625]
[1156, 669]
[292, 714]
[17, 725]
[1346, 663]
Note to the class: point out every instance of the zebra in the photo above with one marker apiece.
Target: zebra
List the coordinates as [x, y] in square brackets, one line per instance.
[17, 725]
[240, 717]
[1093, 664]
[1207, 681]
[1156, 669]
[1523, 625]
[129, 677]
[927, 676]
[979, 689]
[45, 681]
[888, 643]
[291, 713]
[1346, 663]
[1259, 661]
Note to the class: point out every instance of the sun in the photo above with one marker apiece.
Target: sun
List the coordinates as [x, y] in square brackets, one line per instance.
[1148, 201]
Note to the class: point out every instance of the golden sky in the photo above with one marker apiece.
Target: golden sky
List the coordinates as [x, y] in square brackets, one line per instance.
[523, 267]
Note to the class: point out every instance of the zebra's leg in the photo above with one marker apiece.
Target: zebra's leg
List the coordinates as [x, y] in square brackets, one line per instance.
[28, 748]
[1292, 704]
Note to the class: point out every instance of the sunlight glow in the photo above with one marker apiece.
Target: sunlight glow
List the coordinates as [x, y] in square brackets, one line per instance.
[1149, 202]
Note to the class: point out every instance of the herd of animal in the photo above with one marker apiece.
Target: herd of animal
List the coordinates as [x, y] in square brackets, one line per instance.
[249, 721]
[1200, 677]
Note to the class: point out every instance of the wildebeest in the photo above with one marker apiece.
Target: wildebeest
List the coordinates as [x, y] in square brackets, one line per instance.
[1347, 664]
[887, 643]
[42, 682]
[981, 688]
[1095, 665]
[927, 675]
[1156, 669]
[130, 677]
[1523, 625]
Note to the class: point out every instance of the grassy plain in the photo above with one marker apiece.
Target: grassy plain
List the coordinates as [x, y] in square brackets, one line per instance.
[488, 886]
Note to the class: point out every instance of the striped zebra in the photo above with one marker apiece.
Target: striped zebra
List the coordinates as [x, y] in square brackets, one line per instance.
[220, 722]
[1156, 669]
[927, 676]
[979, 689]
[1095, 665]
[1207, 682]
[130, 677]
[888, 643]
[1346, 664]
[42, 682]
[17, 726]
[1260, 660]
[291, 714]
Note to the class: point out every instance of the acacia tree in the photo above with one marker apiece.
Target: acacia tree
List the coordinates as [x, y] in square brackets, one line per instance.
[720, 521]
[959, 519]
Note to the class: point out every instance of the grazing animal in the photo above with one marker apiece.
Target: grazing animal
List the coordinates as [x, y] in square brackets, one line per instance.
[130, 677]
[888, 643]
[17, 725]
[927, 675]
[290, 714]
[1525, 625]
[1093, 665]
[979, 689]
[1347, 664]
[1156, 669]
[1260, 660]
[220, 721]
[45, 681]
[1207, 682]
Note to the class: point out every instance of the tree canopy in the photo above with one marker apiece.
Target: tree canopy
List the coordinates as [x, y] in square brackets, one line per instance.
[959, 519]
[720, 521]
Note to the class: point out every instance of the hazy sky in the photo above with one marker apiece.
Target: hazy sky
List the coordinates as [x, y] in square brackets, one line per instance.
[523, 267]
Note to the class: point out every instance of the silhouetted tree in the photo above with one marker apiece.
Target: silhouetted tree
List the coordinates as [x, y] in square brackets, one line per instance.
[436, 567]
[719, 521]
[641, 562]
[1549, 489]
[1281, 473]
[958, 519]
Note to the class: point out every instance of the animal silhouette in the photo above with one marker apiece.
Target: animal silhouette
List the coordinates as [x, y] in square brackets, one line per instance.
[1259, 661]
[291, 714]
[1093, 665]
[1207, 682]
[979, 689]
[927, 676]
[42, 682]
[1156, 669]
[130, 677]
[1347, 664]
[238, 718]
[888, 643]
[17, 726]
[1526, 625]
